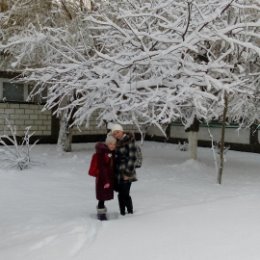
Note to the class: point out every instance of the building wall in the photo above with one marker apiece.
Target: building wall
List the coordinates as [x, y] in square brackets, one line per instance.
[237, 139]
[24, 115]
[204, 134]
[21, 114]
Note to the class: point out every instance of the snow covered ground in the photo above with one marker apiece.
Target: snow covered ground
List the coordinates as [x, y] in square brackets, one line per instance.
[181, 213]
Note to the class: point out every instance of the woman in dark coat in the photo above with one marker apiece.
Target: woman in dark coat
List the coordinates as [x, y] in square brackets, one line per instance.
[125, 167]
[103, 161]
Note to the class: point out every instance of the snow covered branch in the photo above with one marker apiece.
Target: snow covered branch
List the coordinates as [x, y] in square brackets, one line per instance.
[148, 62]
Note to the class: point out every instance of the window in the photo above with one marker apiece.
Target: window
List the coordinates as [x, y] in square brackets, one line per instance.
[17, 92]
[13, 92]
[38, 98]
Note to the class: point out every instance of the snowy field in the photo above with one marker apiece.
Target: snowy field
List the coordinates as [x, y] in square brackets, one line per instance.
[181, 213]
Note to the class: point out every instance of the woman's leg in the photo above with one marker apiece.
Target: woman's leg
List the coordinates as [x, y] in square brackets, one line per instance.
[124, 198]
[128, 199]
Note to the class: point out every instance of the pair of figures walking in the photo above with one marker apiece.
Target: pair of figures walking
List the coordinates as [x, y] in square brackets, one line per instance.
[113, 165]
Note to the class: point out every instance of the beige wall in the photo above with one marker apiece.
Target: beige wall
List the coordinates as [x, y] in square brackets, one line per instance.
[24, 115]
[232, 135]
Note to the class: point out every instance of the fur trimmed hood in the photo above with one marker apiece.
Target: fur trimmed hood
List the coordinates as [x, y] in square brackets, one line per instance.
[102, 148]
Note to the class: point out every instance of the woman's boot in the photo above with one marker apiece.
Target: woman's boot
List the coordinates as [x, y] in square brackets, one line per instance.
[129, 205]
[121, 203]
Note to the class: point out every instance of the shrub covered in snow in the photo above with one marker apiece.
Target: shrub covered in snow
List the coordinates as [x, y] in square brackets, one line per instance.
[14, 154]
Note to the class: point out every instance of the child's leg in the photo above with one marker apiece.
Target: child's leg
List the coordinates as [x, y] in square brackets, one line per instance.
[101, 210]
[101, 204]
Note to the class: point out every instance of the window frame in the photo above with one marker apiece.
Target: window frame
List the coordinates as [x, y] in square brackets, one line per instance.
[14, 97]
[9, 81]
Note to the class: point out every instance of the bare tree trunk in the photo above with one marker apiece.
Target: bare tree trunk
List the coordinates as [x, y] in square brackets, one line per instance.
[222, 141]
[193, 144]
[65, 134]
[168, 131]
[193, 138]
[254, 134]
[68, 140]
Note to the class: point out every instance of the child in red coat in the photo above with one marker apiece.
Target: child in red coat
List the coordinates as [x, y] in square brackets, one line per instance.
[102, 167]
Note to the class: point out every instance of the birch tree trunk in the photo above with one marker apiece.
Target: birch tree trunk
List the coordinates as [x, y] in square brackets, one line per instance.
[193, 144]
[192, 131]
[65, 134]
[222, 141]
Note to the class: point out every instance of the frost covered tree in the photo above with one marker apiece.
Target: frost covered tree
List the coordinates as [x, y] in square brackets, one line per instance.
[164, 45]
[29, 32]
[239, 101]
[150, 62]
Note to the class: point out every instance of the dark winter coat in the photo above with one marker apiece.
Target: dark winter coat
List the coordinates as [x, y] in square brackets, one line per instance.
[125, 157]
[105, 159]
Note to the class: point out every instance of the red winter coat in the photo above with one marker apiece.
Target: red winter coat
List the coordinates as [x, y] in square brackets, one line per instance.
[105, 165]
